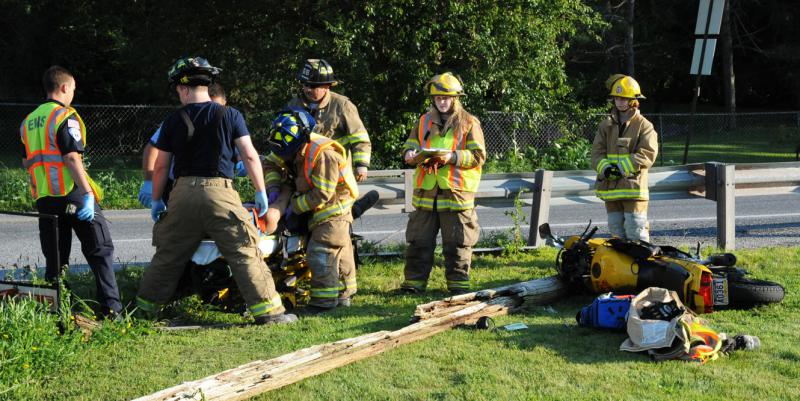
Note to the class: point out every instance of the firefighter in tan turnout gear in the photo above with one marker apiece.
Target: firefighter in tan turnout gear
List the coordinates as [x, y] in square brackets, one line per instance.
[336, 116]
[624, 148]
[448, 150]
[202, 136]
[316, 169]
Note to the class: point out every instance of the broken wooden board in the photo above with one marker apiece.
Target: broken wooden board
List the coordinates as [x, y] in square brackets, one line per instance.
[259, 377]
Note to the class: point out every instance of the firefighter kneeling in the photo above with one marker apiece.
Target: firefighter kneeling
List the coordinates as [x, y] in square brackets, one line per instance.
[316, 168]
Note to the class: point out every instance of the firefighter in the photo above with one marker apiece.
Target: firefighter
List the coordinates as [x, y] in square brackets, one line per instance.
[337, 117]
[316, 170]
[202, 136]
[54, 137]
[624, 148]
[444, 187]
[217, 94]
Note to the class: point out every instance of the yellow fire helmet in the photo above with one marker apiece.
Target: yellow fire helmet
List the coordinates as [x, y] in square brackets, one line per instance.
[625, 86]
[445, 84]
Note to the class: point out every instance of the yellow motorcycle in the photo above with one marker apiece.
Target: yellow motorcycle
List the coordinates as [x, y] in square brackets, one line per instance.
[600, 265]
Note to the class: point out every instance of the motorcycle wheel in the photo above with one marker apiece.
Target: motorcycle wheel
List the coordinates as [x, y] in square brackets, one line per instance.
[747, 293]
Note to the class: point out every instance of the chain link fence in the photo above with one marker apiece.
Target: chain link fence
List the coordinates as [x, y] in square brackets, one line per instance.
[117, 134]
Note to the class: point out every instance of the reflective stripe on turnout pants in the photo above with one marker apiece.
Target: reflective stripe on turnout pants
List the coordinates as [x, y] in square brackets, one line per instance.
[333, 267]
[460, 232]
[201, 207]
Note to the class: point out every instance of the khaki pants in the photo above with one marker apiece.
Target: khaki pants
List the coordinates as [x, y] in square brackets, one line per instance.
[333, 267]
[201, 207]
[460, 232]
[628, 219]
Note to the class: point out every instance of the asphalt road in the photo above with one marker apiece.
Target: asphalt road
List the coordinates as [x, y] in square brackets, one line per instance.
[761, 221]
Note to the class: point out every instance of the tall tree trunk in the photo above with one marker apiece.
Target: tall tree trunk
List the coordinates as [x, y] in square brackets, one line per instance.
[728, 77]
[610, 39]
[629, 55]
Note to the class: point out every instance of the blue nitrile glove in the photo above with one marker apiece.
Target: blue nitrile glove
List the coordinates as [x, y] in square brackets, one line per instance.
[146, 193]
[240, 169]
[272, 197]
[261, 203]
[86, 212]
[158, 207]
[288, 213]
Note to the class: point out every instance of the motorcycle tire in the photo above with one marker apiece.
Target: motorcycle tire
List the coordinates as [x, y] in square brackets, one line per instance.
[747, 293]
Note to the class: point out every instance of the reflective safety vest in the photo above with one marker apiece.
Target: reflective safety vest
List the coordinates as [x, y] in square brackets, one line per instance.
[448, 176]
[316, 145]
[43, 160]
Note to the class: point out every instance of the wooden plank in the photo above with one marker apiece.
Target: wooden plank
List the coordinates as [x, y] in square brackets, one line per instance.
[258, 377]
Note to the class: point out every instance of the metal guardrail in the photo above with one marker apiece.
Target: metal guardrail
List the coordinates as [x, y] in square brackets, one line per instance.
[714, 181]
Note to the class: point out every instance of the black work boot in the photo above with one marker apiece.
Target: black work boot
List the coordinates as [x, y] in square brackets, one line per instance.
[283, 318]
[365, 203]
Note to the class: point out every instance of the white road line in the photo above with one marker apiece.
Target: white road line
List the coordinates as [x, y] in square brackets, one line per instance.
[501, 228]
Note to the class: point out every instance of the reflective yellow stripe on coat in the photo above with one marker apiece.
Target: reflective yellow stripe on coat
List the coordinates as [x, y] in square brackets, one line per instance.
[448, 176]
[316, 145]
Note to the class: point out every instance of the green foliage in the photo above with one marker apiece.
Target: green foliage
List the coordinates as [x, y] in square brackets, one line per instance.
[512, 240]
[120, 188]
[31, 348]
[510, 55]
[568, 153]
[34, 350]
[15, 193]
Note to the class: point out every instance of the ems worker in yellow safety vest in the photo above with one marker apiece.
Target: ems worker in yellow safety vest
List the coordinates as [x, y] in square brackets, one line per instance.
[624, 149]
[448, 150]
[316, 169]
[54, 138]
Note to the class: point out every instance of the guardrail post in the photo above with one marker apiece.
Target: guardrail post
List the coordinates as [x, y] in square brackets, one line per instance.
[726, 206]
[540, 209]
[408, 190]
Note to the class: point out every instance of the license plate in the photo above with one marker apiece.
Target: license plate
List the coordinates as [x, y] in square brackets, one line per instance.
[720, 286]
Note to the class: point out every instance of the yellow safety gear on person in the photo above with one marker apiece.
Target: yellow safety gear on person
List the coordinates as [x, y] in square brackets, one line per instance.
[446, 176]
[626, 87]
[316, 145]
[445, 84]
[44, 162]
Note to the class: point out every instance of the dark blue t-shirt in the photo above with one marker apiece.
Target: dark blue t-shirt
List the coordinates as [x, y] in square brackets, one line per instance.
[173, 139]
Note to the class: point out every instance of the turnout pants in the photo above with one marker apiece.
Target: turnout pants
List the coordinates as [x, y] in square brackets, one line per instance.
[202, 207]
[96, 245]
[460, 232]
[628, 219]
[333, 267]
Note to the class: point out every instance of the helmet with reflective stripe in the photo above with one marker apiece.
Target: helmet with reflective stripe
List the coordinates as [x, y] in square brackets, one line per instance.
[445, 84]
[317, 71]
[289, 131]
[192, 71]
[624, 86]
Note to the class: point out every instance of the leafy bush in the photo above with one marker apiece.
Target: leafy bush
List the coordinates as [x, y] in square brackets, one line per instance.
[15, 194]
[568, 153]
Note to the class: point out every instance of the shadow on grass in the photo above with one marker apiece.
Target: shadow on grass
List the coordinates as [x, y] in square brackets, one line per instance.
[575, 344]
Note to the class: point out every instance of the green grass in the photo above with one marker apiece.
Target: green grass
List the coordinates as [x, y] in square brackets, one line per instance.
[553, 359]
[753, 145]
